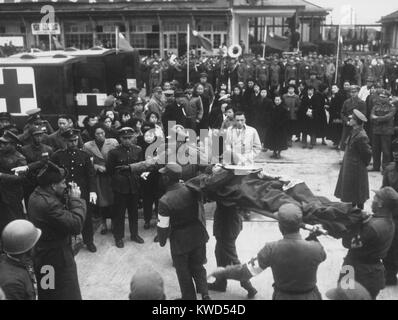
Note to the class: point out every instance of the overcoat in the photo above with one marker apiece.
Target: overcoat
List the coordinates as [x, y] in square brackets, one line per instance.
[353, 184]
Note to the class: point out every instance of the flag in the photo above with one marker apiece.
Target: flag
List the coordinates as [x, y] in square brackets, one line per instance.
[57, 44]
[123, 44]
[276, 42]
[201, 41]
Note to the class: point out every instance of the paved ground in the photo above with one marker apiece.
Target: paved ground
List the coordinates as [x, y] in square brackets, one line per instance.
[107, 274]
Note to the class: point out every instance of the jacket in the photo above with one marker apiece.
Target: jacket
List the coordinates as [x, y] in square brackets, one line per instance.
[58, 222]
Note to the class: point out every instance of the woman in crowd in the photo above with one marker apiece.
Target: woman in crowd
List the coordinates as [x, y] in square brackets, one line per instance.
[110, 132]
[89, 122]
[114, 117]
[277, 132]
[335, 127]
[98, 149]
[236, 99]
[262, 108]
[153, 117]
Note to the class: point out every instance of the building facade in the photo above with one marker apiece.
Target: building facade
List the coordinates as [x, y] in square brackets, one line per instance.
[155, 26]
[390, 32]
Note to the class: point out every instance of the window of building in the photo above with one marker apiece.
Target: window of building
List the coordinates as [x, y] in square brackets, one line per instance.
[173, 41]
[138, 40]
[216, 40]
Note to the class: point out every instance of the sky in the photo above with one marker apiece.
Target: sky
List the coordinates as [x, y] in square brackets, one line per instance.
[367, 11]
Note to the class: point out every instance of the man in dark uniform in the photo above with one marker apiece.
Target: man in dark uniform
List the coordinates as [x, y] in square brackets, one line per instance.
[58, 221]
[17, 277]
[293, 260]
[11, 190]
[179, 219]
[353, 182]
[34, 119]
[81, 171]
[55, 140]
[369, 245]
[125, 185]
[37, 154]
[348, 106]
[226, 228]
[390, 179]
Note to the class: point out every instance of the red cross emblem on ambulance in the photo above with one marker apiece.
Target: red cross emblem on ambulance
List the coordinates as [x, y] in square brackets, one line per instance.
[17, 89]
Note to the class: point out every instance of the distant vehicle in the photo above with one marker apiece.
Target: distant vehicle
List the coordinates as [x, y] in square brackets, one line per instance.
[70, 81]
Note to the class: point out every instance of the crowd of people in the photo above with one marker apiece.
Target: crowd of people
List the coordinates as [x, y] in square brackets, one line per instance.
[59, 179]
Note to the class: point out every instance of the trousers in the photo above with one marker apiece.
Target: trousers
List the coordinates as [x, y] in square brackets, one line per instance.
[191, 273]
[125, 202]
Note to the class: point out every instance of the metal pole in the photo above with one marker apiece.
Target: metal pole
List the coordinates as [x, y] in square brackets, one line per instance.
[338, 53]
[49, 41]
[188, 38]
[117, 39]
[265, 39]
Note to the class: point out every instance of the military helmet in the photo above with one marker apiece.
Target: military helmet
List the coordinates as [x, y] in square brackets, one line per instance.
[19, 236]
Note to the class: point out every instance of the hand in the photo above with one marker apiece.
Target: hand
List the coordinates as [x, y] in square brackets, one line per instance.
[145, 175]
[19, 170]
[93, 197]
[101, 169]
[74, 191]
[197, 121]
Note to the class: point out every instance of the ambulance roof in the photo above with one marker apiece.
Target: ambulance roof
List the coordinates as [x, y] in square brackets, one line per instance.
[38, 58]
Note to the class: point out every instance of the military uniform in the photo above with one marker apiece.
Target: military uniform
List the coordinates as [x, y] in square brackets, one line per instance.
[11, 186]
[390, 179]
[57, 222]
[17, 279]
[262, 75]
[353, 182]
[36, 156]
[348, 106]
[81, 171]
[366, 249]
[179, 217]
[125, 186]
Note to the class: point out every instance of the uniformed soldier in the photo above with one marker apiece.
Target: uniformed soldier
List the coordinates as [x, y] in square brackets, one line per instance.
[36, 154]
[17, 277]
[353, 182]
[125, 185]
[155, 76]
[370, 244]
[179, 219]
[390, 179]
[11, 190]
[262, 74]
[58, 220]
[294, 261]
[226, 228]
[80, 171]
[291, 71]
[208, 90]
[348, 107]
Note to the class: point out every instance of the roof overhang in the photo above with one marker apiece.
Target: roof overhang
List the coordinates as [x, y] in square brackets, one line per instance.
[259, 12]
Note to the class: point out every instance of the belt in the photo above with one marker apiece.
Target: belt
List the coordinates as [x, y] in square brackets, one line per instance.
[293, 291]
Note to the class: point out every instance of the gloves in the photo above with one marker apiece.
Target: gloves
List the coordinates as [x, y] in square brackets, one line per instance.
[19, 170]
[93, 197]
[145, 175]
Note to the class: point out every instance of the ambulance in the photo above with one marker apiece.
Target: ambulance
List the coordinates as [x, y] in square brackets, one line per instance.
[71, 81]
